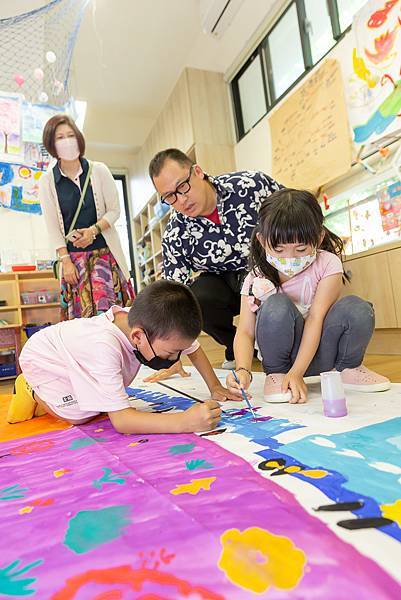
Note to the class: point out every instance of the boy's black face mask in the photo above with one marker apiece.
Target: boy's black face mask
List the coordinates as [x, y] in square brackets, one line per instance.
[157, 363]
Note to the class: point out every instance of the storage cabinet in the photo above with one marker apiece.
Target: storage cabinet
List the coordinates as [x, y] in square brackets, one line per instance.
[394, 259]
[28, 285]
[148, 228]
[376, 276]
[371, 279]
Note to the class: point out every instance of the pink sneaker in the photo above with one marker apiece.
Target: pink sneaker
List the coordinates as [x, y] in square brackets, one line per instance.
[362, 379]
[272, 391]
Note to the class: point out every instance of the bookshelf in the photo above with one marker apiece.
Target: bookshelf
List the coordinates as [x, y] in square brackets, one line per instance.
[14, 315]
[149, 226]
[13, 284]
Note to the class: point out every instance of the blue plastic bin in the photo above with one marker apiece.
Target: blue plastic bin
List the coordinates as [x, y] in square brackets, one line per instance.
[8, 369]
[31, 329]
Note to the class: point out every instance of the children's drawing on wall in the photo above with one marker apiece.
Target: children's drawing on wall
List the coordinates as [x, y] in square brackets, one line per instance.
[36, 155]
[374, 90]
[34, 118]
[10, 126]
[19, 187]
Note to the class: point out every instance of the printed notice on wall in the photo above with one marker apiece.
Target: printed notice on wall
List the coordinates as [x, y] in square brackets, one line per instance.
[311, 141]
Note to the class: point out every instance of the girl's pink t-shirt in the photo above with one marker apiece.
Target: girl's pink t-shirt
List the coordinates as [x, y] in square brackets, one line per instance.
[94, 354]
[301, 288]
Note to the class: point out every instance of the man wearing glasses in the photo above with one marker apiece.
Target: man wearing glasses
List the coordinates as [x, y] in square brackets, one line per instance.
[209, 233]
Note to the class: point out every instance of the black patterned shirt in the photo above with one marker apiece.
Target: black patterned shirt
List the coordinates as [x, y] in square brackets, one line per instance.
[197, 244]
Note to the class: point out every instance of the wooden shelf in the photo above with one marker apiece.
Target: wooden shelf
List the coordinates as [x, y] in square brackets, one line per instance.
[41, 279]
[13, 284]
[143, 237]
[8, 377]
[35, 275]
[40, 305]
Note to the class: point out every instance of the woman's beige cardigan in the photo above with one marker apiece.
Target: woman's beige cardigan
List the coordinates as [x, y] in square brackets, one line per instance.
[107, 205]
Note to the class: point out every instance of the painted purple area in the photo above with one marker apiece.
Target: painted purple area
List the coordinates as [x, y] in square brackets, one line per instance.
[107, 507]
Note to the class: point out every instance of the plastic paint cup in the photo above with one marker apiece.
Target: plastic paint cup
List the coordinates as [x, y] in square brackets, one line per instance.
[333, 396]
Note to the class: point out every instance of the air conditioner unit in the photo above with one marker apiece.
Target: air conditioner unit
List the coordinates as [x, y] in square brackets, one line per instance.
[217, 15]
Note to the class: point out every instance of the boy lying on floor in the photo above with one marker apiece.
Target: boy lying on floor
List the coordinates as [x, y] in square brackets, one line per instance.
[77, 369]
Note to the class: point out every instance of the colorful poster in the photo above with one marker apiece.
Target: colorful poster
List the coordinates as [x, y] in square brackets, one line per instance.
[390, 207]
[374, 88]
[10, 126]
[290, 505]
[36, 155]
[34, 118]
[19, 188]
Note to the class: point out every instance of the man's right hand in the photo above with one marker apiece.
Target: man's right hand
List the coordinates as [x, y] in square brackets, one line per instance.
[202, 417]
[70, 272]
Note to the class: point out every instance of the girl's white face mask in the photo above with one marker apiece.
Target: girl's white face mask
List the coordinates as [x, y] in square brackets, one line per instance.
[291, 266]
[67, 148]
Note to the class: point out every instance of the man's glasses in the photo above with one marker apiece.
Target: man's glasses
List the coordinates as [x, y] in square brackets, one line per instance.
[181, 189]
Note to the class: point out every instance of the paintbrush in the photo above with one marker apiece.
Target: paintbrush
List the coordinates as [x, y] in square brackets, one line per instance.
[184, 394]
[245, 397]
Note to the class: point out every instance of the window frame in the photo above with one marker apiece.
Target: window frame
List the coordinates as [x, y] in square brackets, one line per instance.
[262, 50]
[236, 97]
[123, 178]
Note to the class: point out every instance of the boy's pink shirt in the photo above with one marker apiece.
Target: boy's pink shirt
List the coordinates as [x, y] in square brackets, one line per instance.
[93, 353]
[301, 288]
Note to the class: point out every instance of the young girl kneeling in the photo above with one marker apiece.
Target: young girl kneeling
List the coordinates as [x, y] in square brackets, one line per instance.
[291, 304]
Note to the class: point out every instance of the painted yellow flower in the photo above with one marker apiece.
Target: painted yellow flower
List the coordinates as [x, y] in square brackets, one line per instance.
[392, 511]
[256, 559]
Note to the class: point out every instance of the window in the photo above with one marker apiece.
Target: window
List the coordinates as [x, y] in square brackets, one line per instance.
[252, 95]
[284, 52]
[346, 11]
[299, 39]
[318, 26]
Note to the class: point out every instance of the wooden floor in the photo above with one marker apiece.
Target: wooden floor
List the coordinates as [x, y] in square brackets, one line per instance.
[388, 365]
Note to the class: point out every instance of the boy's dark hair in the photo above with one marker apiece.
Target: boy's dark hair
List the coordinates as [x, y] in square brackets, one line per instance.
[290, 216]
[157, 162]
[166, 308]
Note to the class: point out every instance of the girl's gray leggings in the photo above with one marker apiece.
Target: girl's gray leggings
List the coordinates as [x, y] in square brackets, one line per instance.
[347, 329]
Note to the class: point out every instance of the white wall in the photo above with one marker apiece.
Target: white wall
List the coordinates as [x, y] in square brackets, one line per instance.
[23, 237]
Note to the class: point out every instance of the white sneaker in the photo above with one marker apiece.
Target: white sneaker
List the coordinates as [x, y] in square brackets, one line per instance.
[228, 364]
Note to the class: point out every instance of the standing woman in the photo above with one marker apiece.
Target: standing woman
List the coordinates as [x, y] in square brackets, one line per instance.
[94, 274]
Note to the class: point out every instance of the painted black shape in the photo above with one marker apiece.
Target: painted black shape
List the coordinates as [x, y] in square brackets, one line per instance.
[280, 472]
[368, 523]
[216, 432]
[284, 471]
[263, 466]
[341, 506]
[163, 410]
[170, 387]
